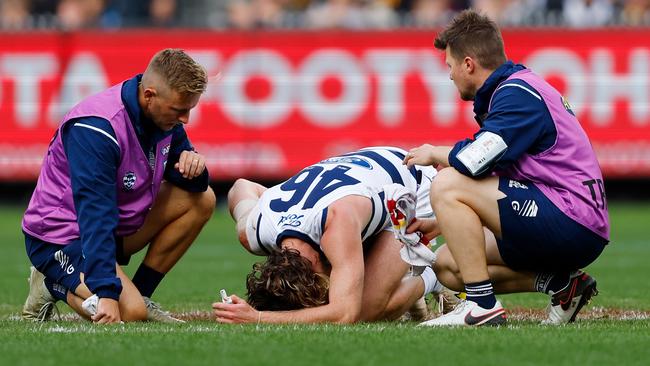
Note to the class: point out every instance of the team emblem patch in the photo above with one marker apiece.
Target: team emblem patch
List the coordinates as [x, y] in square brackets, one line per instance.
[129, 181]
[165, 150]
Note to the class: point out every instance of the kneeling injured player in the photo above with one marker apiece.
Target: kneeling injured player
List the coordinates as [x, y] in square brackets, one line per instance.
[331, 256]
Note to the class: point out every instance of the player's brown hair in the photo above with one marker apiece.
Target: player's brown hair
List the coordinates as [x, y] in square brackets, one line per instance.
[180, 72]
[474, 35]
[286, 281]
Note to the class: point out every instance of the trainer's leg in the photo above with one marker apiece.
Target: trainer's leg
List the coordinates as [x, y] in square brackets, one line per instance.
[171, 226]
[385, 295]
[132, 307]
[504, 279]
[463, 206]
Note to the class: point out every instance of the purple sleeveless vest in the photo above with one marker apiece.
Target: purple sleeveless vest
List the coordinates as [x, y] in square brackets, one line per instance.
[568, 172]
[51, 214]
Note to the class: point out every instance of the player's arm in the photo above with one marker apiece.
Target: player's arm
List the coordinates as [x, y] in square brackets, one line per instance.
[242, 198]
[185, 167]
[93, 156]
[518, 123]
[342, 245]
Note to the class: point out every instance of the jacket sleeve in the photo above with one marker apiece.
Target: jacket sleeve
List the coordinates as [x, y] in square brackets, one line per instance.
[180, 142]
[518, 123]
[93, 157]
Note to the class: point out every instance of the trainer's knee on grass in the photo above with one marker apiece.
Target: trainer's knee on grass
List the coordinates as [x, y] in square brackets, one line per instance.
[447, 270]
[134, 312]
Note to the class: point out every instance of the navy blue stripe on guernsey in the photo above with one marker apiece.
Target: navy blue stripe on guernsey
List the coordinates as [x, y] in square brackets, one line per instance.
[372, 216]
[257, 236]
[384, 212]
[414, 172]
[297, 234]
[323, 220]
[383, 162]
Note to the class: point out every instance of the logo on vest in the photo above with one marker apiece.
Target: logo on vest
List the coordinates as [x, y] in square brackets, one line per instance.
[129, 181]
[165, 150]
[515, 184]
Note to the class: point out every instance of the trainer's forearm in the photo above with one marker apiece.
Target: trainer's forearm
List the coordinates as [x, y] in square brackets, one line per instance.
[441, 155]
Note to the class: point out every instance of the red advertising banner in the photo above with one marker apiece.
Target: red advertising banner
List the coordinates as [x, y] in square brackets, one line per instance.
[279, 101]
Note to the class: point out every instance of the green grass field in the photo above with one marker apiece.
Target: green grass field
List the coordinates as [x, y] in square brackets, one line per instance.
[217, 261]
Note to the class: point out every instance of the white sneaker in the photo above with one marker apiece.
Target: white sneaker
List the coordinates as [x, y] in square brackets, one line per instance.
[156, 314]
[566, 303]
[40, 304]
[469, 313]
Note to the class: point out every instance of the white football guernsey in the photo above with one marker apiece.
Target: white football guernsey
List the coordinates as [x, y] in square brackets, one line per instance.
[298, 207]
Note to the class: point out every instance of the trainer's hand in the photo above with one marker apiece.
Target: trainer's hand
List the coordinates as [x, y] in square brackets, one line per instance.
[422, 155]
[108, 311]
[190, 164]
[236, 313]
[428, 227]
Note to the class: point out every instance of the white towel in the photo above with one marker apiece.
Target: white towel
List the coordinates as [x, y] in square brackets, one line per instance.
[400, 204]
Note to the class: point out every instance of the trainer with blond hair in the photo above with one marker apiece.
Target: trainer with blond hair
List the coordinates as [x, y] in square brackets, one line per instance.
[120, 175]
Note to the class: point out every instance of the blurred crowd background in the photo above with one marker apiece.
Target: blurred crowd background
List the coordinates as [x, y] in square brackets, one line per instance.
[69, 15]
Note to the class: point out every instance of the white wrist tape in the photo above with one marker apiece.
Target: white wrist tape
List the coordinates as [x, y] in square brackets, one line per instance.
[243, 208]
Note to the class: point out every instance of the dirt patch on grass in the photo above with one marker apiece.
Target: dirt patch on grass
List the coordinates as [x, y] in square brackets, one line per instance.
[587, 314]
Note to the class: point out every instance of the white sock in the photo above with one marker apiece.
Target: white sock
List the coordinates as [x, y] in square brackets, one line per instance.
[431, 283]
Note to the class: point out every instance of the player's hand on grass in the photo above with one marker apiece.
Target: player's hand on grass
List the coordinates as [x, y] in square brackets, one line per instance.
[423, 155]
[190, 164]
[237, 312]
[428, 227]
[108, 311]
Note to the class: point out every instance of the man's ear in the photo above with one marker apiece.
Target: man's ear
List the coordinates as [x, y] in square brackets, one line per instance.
[148, 93]
[469, 65]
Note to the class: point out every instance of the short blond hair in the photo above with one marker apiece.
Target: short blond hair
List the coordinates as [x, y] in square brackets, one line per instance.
[179, 71]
